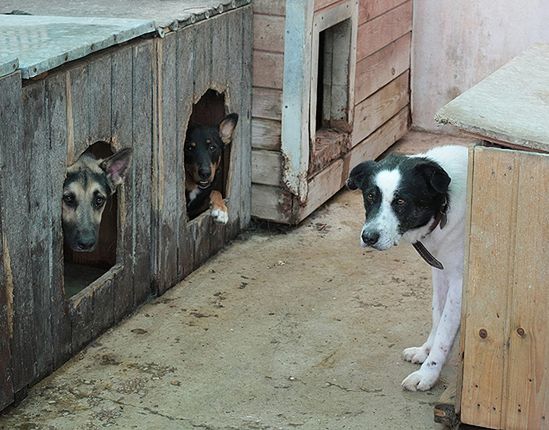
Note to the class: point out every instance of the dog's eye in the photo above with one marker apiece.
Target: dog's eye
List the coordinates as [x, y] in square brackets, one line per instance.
[212, 148]
[99, 201]
[189, 148]
[69, 200]
[370, 197]
[401, 202]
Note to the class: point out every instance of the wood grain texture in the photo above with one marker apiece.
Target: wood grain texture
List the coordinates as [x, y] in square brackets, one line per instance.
[271, 203]
[370, 9]
[380, 68]
[265, 134]
[379, 32]
[267, 103]
[268, 33]
[268, 71]
[380, 106]
[266, 167]
[269, 7]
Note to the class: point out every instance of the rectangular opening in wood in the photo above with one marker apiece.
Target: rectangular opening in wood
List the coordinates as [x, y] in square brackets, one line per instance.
[88, 252]
[330, 109]
[206, 156]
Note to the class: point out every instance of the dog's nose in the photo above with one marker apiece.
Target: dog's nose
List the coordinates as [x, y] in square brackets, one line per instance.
[370, 237]
[86, 243]
[204, 173]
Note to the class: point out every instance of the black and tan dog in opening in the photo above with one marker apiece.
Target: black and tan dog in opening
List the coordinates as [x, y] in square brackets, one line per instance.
[204, 146]
[89, 183]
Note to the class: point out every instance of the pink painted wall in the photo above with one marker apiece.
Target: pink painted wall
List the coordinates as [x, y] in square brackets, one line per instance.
[458, 43]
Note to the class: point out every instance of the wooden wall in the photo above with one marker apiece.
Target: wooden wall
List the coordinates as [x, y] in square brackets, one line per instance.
[219, 58]
[137, 95]
[381, 102]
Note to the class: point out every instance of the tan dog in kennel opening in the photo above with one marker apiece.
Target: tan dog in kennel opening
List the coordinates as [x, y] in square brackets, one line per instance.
[89, 183]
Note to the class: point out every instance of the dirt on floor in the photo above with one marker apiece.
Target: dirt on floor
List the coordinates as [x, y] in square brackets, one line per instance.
[284, 329]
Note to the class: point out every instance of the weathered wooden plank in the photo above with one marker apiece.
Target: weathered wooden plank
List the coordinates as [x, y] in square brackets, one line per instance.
[142, 119]
[199, 229]
[370, 9]
[246, 114]
[382, 67]
[379, 141]
[78, 123]
[219, 53]
[14, 253]
[184, 83]
[379, 32]
[202, 63]
[266, 134]
[527, 382]
[379, 107]
[322, 187]
[492, 236]
[323, 4]
[99, 99]
[266, 167]
[267, 103]
[268, 71]
[271, 203]
[268, 33]
[36, 135]
[57, 153]
[122, 136]
[269, 7]
[81, 317]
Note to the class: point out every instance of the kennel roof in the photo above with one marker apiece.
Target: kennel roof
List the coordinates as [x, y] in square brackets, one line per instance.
[41, 43]
[511, 105]
[166, 14]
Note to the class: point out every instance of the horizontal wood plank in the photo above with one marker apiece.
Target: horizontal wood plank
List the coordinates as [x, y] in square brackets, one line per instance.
[323, 4]
[380, 107]
[380, 68]
[267, 103]
[370, 9]
[266, 167]
[269, 7]
[379, 32]
[271, 203]
[268, 70]
[265, 134]
[269, 33]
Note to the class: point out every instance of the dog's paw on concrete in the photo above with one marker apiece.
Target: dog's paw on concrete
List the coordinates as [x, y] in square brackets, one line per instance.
[220, 216]
[420, 380]
[415, 354]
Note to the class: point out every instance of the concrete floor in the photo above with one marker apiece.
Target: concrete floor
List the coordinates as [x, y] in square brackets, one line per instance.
[282, 330]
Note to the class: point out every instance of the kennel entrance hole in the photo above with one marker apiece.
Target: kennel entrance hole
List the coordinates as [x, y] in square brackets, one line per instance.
[209, 111]
[83, 268]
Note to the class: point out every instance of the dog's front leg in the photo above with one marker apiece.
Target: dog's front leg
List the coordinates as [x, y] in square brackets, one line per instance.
[218, 208]
[418, 354]
[424, 378]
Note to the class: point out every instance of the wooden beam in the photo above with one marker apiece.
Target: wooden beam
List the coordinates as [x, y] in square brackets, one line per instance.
[266, 167]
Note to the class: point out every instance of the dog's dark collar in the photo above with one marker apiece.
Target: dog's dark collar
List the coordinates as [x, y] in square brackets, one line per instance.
[441, 219]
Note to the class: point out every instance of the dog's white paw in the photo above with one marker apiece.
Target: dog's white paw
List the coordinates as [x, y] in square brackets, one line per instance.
[220, 216]
[416, 354]
[420, 380]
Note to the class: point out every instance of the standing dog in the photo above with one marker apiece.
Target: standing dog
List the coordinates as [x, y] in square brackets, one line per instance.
[421, 199]
[204, 147]
[88, 185]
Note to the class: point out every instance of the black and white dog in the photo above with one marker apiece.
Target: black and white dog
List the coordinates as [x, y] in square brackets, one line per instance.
[421, 199]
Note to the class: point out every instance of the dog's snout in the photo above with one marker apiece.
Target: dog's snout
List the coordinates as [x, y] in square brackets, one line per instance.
[204, 173]
[370, 238]
[86, 242]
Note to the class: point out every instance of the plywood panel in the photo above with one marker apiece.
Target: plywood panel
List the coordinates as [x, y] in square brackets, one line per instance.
[379, 32]
[268, 33]
[492, 239]
[380, 68]
[379, 107]
[268, 70]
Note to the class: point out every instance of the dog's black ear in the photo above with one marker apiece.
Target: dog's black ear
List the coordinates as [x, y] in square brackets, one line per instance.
[435, 175]
[227, 126]
[360, 174]
[116, 167]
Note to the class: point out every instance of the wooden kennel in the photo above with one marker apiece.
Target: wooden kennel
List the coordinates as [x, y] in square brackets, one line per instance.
[121, 83]
[503, 381]
[330, 89]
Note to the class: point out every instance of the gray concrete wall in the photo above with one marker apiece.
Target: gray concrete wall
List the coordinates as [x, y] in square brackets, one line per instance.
[455, 46]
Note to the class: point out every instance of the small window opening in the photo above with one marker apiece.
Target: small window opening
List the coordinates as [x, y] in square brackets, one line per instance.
[206, 115]
[83, 268]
